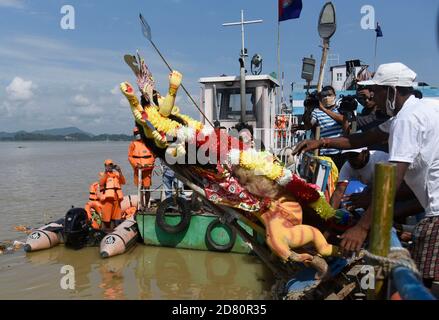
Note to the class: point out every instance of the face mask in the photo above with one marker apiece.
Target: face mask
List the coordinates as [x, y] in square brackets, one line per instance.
[390, 105]
[137, 137]
[328, 101]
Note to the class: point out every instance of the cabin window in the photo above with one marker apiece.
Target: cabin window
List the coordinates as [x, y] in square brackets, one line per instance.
[229, 101]
[339, 76]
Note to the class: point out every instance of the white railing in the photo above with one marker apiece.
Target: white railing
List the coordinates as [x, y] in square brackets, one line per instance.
[157, 189]
[280, 139]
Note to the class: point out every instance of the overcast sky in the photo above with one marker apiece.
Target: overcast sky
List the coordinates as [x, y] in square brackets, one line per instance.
[50, 77]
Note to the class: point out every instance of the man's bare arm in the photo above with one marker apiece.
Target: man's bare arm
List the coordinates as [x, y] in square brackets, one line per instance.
[307, 119]
[406, 209]
[354, 238]
[338, 195]
[355, 141]
[334, 115]
[401, 168]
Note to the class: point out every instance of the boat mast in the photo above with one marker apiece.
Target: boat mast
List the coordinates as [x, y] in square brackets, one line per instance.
[242, 61]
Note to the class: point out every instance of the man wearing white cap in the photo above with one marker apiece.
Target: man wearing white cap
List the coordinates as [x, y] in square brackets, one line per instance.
[360, 166]
[413, 135]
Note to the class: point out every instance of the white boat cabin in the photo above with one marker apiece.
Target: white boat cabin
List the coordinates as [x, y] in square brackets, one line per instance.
[221, 101]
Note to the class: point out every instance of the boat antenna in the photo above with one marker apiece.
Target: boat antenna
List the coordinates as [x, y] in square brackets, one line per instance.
[242, 61]
[146, 31]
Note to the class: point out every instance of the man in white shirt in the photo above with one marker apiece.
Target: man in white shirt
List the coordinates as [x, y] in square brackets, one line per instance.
[360, 165]
[413, 135]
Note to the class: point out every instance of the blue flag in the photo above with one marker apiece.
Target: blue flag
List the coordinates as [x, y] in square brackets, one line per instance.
[379, 31]
[289, 9]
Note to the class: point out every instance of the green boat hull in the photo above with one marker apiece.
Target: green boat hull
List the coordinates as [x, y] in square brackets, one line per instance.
[194, 237]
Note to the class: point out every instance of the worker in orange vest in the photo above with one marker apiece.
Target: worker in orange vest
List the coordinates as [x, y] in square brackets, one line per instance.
[94, 207]
[140, 157]
[281, 126]
[110, 185]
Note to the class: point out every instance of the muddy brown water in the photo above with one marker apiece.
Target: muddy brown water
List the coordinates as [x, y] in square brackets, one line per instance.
[39, 181]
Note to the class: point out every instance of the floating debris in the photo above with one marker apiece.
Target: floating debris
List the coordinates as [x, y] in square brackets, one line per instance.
[22, 228]
[9, 247]
[6, 247]
[18, 244]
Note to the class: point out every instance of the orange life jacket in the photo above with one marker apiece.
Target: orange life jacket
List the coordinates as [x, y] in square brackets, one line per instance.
[112, 187]
[129, 212]
[140, 154]
[94, 214]
[94, 191]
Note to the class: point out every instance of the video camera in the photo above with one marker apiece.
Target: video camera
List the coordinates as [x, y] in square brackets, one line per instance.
[348, 106]
[312, 100]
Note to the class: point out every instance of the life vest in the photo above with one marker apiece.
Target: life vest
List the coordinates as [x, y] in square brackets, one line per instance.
[94, 212]
[112, 187]
[141, 154]
[281, 126]
[129, 213]
[94, 191]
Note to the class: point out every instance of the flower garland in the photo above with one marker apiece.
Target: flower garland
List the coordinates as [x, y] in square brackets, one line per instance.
[303, 191]
[322, 207]
[161, 123]
[262, 163]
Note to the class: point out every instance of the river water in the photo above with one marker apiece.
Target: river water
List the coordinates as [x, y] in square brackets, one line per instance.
[40, 181]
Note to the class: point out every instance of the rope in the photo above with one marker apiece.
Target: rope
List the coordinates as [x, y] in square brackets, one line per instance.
[396, 257]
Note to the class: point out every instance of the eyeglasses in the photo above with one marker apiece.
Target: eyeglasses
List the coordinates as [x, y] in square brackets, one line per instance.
[365, 98]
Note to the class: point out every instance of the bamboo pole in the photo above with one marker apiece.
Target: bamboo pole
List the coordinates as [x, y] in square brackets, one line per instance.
[317, 137]
[323, 64]
[382, 216]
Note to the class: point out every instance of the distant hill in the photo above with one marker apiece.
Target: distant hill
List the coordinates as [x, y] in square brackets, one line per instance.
[61, 134]
[6, 135]
[61, 131]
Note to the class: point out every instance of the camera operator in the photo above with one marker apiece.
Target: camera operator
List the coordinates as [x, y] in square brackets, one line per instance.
[348, 108]
[321, 111]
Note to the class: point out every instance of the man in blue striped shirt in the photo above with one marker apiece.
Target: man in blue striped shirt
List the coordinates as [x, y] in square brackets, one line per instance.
[330, 121]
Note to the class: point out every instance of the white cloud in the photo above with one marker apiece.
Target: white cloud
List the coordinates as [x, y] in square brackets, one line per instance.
[84, 107]
[76, 86]
[20, 89]
[18, 4]
[81, 101]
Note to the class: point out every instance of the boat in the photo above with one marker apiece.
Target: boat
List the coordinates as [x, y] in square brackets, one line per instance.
[174, 226]
[74, 231]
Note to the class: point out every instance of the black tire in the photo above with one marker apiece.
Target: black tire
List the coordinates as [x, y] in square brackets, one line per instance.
[212, 245]
[183, 209]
